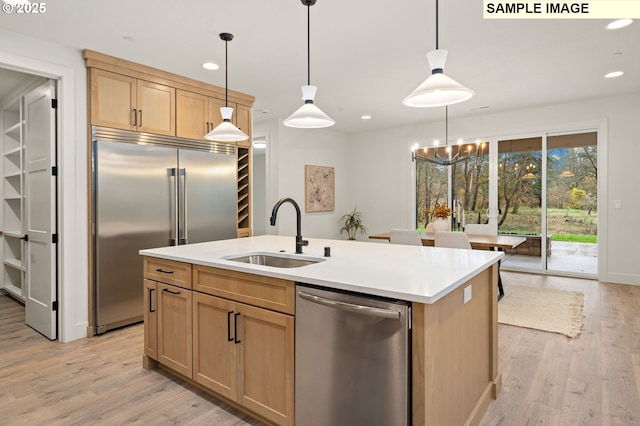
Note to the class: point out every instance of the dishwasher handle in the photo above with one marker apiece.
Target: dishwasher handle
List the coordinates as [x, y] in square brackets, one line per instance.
[350, 307]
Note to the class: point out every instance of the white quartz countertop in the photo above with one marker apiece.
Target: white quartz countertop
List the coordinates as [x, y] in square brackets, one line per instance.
[416, 274]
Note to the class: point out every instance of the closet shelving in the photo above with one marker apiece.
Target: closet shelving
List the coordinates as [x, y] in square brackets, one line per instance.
[13, 199]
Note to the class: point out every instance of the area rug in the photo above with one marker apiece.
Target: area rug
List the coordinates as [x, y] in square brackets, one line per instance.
[545, 309]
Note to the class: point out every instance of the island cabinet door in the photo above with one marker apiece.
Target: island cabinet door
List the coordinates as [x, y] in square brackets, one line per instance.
[150, 319]
[174, 314]
[265, 363]
[214, 347]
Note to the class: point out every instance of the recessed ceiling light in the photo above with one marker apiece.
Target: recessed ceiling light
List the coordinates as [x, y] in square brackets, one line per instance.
[260, 142]
[366, 117]
[620, 23]
[613, 74]
[210, 66]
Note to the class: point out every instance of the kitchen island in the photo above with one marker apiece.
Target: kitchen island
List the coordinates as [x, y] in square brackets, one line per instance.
[454, 318]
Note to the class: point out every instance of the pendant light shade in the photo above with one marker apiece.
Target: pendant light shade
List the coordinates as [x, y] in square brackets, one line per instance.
[438, 89]
[226, 131]
[308, 116]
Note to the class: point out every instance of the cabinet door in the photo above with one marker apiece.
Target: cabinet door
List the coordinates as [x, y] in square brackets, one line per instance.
[243, 122]
[156, 108]
[215, 117]
[113, 100]
[174, 328]
[150, 319]
[265, 363]
[192, 115]
[214, 346]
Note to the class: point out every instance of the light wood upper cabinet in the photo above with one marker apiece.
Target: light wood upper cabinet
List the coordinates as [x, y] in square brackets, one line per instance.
[113, 100]
[242, 116]
[156, 108]
[192, 112]
[197, 115]
[127, 103]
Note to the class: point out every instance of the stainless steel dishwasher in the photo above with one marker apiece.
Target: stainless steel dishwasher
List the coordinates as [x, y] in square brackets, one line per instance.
[352, 359]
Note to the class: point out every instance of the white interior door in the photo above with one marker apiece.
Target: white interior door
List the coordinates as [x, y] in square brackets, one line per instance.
[40, 210]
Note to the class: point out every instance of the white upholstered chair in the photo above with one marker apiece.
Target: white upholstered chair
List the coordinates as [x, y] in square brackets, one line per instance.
[452, 240]
[478, 229]
[482, 229]
[405, 236]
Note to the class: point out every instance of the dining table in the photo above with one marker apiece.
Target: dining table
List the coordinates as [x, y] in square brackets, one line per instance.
[478, 242]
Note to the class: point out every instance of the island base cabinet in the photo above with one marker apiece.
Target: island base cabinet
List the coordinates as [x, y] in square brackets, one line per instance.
[214, 349]
[265, 363]
[150, 319]
[245, 354]
[174, 315]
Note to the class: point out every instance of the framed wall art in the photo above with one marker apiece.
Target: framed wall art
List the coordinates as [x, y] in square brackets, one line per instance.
[319, 189]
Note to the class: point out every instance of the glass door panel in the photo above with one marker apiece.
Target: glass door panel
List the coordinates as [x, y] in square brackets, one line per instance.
[520, 200]
[572, 200]
[432, 184]
[470, 183]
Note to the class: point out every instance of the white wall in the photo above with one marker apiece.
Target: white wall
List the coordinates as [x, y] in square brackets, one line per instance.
[259, 191]
[380, 170]
[288, 151]
[54, 61]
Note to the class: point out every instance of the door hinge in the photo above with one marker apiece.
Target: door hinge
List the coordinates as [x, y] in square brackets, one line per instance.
[54, 171]
[54, 238]
[54, 103]
[54, 306]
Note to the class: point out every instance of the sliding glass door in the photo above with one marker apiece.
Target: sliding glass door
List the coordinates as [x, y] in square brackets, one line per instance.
[542, 187]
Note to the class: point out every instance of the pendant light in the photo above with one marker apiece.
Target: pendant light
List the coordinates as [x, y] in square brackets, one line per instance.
[309, 116]
[438, 89]
[226, 131]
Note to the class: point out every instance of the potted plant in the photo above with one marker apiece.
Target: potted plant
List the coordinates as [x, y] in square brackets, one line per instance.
[441, 212]
[352, 223]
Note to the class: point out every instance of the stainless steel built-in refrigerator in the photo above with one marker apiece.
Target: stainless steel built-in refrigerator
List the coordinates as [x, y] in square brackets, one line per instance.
[151, 191]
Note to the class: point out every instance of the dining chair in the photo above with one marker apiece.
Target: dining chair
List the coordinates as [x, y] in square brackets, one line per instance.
[405, 236]
[483, 229]
[452, 240]
[478, 229]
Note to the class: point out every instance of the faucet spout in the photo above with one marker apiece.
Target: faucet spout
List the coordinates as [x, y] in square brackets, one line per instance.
[274, 213]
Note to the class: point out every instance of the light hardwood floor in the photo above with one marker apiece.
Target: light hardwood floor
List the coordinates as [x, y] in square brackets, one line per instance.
[548, 379]
[94, 381]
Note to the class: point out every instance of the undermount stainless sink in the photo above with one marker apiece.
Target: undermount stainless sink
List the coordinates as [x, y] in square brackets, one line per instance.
[275, 260]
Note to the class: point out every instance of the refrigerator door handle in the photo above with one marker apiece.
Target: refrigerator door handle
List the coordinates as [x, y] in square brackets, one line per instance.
[182, 181]
[173, 240]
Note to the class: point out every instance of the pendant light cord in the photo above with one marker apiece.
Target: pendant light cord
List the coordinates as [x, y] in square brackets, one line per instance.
[308, 45]
[436, 24]
[226, 73]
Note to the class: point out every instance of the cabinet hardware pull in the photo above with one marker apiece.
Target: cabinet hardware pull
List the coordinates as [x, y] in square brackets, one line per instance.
[135, 117]
[140, 118]
[169, 291]
[229, 338]
[235, 328]
[164, 272]
[151, 308]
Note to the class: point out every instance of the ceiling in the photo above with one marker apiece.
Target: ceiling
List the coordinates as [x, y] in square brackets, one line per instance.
[366, 55]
